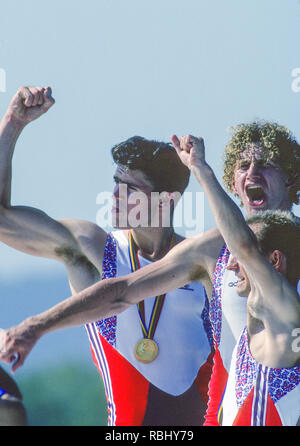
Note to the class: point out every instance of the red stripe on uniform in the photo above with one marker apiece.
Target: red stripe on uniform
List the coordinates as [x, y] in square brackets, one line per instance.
[129, 388]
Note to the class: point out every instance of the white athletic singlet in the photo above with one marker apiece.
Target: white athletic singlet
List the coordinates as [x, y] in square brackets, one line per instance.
[257, 395]
[228, 316]
[183, 335]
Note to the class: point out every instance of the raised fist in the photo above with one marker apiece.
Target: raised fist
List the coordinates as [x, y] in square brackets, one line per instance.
[29, 103]
[190, 150]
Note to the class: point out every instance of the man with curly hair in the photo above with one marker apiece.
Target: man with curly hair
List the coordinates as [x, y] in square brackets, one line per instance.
[271, 145]
[262, 168]
[263, 387]
[262, 183]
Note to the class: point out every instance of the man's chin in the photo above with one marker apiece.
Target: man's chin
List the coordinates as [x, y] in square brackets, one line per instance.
[117, 225]
[252, 208]
[118, 220]
[242, 291]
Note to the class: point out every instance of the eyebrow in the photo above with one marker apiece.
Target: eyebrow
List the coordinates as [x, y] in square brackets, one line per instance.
[129, 183]
[261, 161]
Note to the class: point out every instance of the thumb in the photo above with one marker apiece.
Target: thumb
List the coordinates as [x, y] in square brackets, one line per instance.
[176, 143]
[201, 145]
[48, 100]
[48, 96]
[16, 362]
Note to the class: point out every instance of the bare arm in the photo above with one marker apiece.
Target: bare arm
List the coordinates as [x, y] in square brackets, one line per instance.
[28, 104]
[25, 228]
[183, 264]
[277, 298]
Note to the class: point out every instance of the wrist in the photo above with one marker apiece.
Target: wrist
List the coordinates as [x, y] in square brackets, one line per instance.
[202, 171]
[34, 326]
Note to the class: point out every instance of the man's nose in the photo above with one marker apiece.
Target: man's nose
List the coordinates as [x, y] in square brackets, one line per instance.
[253, 170]
[120, 191]
[116, 191]
[232, 263]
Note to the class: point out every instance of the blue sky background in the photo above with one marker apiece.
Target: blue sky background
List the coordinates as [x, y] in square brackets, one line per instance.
[122, 68]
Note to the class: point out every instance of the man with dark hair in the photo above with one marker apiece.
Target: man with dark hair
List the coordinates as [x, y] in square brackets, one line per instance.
[154, 368]
[156, 160]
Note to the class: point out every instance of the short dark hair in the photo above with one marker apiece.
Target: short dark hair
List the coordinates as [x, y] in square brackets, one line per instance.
[277, 141]
[157, 160]
[279, 230]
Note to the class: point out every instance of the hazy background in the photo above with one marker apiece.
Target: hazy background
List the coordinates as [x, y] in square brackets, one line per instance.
[117, 69]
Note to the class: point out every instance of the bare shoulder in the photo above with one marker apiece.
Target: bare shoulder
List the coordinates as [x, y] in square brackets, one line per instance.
[83, 227]
[89, 236]
[206, 246]
[211, 240]
[199, 254]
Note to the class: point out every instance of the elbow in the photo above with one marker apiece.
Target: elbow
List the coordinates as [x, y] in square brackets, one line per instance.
[245, 245]
[2, 211]
[247, 249]
[3, 208]
[4, 220]
[119, 298]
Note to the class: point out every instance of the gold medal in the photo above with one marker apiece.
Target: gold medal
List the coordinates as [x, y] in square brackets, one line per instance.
[146, 350]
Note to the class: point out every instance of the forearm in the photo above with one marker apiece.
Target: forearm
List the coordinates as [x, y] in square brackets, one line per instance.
[104, 299]
[10, 130]
[229, 219]
[28, 104]
[112, 296]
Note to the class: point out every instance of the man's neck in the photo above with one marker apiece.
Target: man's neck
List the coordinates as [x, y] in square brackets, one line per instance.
[152, 243]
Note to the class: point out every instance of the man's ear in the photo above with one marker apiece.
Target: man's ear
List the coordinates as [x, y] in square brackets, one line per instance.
[278, 260]
[164, 198]
[233, 187]
[290, 182]
[169, 199]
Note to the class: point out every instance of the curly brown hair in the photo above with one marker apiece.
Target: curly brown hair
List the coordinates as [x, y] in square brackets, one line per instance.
[279, 143]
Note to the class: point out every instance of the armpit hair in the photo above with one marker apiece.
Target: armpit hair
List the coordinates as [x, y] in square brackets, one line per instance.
[71, 257]
[197, 274]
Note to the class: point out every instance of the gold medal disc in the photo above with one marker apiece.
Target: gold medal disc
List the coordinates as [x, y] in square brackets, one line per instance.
[146, 350]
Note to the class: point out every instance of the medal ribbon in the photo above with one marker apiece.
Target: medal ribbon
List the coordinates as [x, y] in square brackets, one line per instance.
[159, 300]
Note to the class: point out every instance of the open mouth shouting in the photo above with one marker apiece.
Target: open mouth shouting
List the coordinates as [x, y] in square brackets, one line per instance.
[242, 285]
[240, 280]
[256, 195]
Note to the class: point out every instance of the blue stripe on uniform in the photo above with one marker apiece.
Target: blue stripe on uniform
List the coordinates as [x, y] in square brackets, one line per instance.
[101, 360]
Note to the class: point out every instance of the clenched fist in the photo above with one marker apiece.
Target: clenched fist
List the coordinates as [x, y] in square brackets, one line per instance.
[29, 103]
[190, 150]
[16, 343]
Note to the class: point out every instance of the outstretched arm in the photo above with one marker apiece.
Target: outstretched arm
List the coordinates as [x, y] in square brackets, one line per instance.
[271, 294]
[183, 264]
